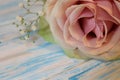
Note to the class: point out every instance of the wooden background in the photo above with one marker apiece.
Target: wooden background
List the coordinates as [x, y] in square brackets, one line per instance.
[23, 60]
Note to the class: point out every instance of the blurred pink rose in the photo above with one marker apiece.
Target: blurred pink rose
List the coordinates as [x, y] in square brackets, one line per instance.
[90, 26]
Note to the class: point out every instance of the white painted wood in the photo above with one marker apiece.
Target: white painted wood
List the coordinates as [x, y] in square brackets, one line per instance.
[23, 60]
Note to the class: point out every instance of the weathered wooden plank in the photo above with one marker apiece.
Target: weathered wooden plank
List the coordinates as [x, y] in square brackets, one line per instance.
[23, 60]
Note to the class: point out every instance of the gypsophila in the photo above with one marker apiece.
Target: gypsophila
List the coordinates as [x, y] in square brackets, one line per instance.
[21, 5]
[34, 28]
[19, 18]
[27, 25]
[22, 32]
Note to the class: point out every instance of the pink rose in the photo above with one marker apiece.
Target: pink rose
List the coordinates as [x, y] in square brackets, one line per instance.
[90, 27]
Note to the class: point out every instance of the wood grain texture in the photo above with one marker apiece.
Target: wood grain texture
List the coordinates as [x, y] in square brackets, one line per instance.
[23, 60]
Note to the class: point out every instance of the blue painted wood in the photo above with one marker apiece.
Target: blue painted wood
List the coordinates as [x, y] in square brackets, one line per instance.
[23, 60]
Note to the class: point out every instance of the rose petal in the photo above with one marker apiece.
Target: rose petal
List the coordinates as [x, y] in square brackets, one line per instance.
[109, 25]
[106, 4]
[101, 41]
[103, 15]
[110, 7]
[117, 4]
[78, 11]
[100, 24]
[76, 31]
[67, 36]
[61, 22]
[74, 16]
[49, 7]
[107, 12]
[88, 25]
[116, 11]
[112, 38]
[98, 32]
[60, 16]
[70, 9]
[86, 13]
[69, 22]
[89, 42]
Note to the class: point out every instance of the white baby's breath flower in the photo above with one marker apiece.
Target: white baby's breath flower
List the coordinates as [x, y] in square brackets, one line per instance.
[41, 13]
[21, 5]
[34, 28]
[22, 32]
[19, 18]
[26, 37]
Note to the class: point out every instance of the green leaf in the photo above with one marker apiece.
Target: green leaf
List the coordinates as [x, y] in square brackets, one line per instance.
[71, 54]
[75, 53]
[44, 1]
[44, 30]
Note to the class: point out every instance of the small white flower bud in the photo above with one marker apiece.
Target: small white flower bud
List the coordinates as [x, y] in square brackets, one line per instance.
[34, 28]
[22, 32]
[26, 37]
[19, 18]
[21, 5]
[41, 13]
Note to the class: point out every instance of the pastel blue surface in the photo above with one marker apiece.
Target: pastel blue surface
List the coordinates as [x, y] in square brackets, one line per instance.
[23, 60]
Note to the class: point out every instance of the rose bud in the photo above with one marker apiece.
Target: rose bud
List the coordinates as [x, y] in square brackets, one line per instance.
[86, 28]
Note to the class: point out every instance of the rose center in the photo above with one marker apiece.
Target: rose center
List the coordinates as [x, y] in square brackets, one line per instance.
[88, 25]
[96, 29]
